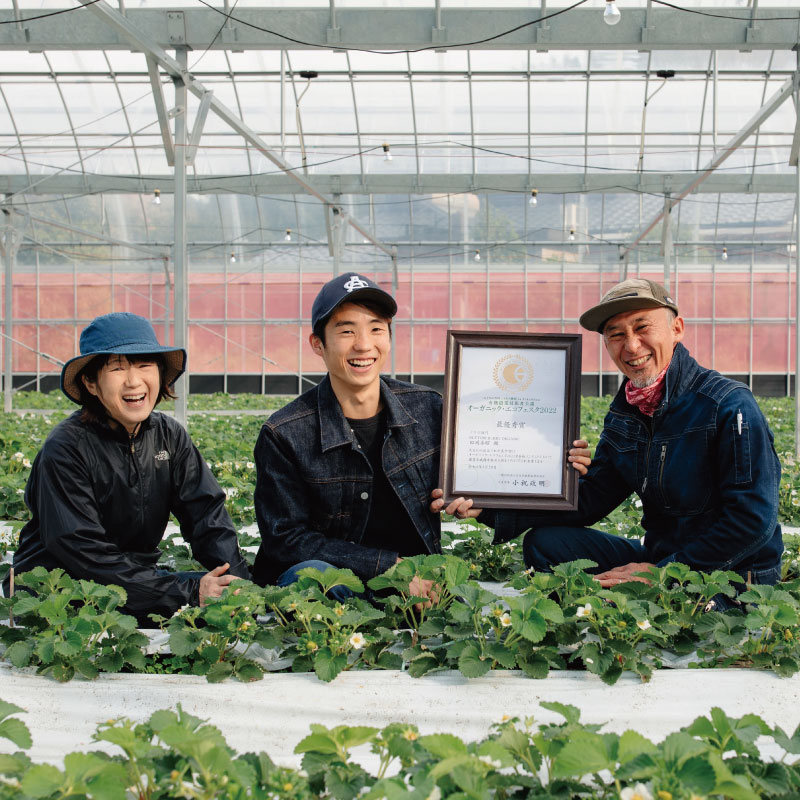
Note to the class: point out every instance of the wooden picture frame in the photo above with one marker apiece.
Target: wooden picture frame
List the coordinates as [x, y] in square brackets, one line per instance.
[511, 413]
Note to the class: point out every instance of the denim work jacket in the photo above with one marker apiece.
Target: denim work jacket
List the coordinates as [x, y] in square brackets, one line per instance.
[314, 486]
[704, 467]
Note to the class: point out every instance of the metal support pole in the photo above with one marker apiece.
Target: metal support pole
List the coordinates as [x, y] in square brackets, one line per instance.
[394, 294]
[797, 301]
[180, 304]
[10, 258]
[667, 240]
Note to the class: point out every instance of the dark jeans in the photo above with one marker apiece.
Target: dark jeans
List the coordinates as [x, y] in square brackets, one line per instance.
[338, 593]
[544, 547]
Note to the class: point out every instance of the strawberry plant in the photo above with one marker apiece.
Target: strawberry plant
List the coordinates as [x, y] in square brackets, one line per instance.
[65, 626]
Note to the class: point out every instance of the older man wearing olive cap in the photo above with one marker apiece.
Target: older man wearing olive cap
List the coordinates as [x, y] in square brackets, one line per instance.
[692, 444]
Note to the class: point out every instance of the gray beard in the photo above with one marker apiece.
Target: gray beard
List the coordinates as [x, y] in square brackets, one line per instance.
[643, 383]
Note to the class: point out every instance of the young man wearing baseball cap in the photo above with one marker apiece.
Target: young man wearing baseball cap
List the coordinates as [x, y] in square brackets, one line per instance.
[344, 472]
[692, 444]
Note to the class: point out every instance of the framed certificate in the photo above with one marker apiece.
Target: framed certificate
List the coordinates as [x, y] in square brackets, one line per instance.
[511, 413]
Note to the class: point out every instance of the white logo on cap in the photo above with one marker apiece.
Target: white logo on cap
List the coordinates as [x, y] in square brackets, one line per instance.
[355, 283]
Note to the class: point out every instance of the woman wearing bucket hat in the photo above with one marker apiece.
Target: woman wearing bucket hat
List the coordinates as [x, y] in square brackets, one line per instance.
[107, 478]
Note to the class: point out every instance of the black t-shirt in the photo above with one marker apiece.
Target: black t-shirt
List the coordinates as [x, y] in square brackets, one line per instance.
[389, 526]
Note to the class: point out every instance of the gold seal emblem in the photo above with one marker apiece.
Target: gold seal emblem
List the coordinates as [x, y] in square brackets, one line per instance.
[513, 373]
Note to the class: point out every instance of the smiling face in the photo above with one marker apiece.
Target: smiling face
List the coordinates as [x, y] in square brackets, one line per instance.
[641, 342]
[357, 343]
[127, 390]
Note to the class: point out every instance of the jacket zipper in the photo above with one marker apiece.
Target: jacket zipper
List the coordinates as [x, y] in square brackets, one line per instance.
[661, 472]
[132, 448]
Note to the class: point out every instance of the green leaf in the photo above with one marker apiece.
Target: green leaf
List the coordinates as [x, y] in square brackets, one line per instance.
[534, 666]
[633, 744]
[327, 666]
[16, 731]
[530, 624]
[501, 654]
[320, 741]
[571, 714]
[42, 780]
[184, 641]
[443, 745]
[110, 662]
[696, 773]
[350, 736]
[584, 753]
[19, 653]
[422, 664]
[219, 672]
[246, 670]
[471, 664]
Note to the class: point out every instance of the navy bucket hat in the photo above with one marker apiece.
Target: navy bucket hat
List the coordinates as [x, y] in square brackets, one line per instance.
[120, 333]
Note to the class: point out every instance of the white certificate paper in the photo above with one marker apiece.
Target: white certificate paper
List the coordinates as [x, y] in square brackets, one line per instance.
[510, 421]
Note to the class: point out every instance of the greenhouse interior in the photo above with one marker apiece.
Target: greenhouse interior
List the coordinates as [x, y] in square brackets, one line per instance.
[494, 168]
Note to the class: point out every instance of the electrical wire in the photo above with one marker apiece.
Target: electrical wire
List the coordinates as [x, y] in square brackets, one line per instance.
[49, 14]
[726, 16]
[449, 46]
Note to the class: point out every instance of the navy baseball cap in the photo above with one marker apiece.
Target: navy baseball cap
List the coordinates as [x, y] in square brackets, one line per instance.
[350, 287]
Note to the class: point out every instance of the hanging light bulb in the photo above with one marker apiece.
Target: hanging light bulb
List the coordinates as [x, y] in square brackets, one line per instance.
[611, 15]
[157, 197]
[387, 153]
[572, 234]
[233, 258]
[288, 236]
[534, 195]
[477, 256]
[724, 253]
[366, 241]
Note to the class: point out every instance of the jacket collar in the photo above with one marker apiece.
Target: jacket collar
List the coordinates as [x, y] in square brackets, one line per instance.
[334, 429]
[118, 433]
[682, 371]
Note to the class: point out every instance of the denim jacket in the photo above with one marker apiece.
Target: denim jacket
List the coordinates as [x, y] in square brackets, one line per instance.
[704, 467]
[314, 486]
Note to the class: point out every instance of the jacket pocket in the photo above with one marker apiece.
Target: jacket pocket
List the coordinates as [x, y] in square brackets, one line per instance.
[741, 454]
[683, 472]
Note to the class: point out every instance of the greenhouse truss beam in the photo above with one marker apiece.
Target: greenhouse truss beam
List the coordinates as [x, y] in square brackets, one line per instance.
[100, 237]
[653, 28]
[180, 74]
[752, 125]
[408, 184]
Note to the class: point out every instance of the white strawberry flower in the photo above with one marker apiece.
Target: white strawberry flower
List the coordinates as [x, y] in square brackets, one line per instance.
[637, 792]
[644, 625]
[584, 611]
[357, 641]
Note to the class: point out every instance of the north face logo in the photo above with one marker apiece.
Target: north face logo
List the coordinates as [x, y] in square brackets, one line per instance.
[162, 456]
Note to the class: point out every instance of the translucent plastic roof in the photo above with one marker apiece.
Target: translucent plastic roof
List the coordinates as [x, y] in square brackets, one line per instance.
[72, 122]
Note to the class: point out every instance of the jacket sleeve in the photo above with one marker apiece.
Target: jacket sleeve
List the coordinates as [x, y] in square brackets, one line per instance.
[600, 491]
[71, 530]
[748, 476]
[199, 505]
[283, 509]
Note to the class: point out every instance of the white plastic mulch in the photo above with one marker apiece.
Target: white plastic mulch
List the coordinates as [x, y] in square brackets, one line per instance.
[275, 713]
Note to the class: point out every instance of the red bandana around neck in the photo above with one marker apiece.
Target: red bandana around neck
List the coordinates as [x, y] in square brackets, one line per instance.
[647, 398]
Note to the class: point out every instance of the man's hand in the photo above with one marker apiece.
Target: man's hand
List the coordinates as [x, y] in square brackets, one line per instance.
[461, 507]
[624, 573]
[212, 583]
[421, 588]
[580, 456]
